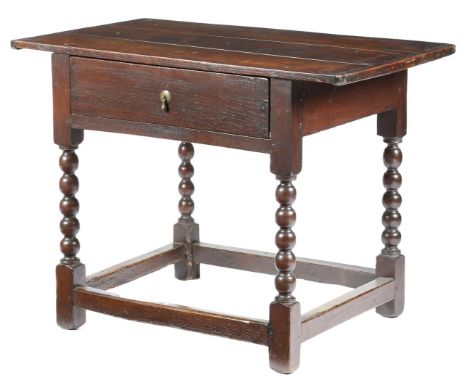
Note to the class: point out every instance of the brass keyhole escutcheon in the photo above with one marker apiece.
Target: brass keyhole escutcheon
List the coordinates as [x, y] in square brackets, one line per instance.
[165, 99]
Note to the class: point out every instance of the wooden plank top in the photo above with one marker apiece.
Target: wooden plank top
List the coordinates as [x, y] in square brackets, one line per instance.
[264, 52]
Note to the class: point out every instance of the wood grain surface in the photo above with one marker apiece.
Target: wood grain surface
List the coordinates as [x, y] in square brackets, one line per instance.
[319, 271]
[340, 309]
[240, 328]
[242, 50]
[64, 135]
[214, 138]
[199, 100]
[135, 268]
[326, 106]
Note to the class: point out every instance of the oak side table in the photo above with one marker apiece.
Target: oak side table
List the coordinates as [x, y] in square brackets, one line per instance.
[247, 88]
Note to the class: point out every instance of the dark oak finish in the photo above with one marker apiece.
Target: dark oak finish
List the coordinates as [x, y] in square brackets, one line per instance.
[286, 129]
[271, 53]
[285, 163]
[186, 231]
[391, 218]
[359, 300]
[393, 267]
[125, 91]
[248, 88]
[171, 132]
[263, 262]
[186, 187]
[390, 262]
[239, 328]
[392, 122]
[137, 267]
[64, 135]
[69, 206]
[285, 335]
[70, 271]
[285, 260]
[69, 315]
[326, 106]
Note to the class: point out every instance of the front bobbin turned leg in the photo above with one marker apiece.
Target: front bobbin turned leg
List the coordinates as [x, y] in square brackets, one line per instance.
[70, 271]
[284, 342]
[390, 262]
[285, 311]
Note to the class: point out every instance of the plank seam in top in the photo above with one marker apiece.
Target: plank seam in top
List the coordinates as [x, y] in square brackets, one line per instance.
[333, 59]
[84, 31]
[224, 50]
[272, 30]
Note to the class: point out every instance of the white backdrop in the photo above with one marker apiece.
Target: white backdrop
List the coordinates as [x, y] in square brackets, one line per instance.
[129, 201]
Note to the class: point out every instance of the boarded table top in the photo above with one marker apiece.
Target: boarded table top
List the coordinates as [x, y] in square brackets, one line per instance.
[274, 53]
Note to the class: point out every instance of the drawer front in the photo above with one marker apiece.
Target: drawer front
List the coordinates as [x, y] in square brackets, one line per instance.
[198, 100]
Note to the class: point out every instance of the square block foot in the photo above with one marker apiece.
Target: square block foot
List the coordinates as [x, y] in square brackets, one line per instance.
[187, 233]
[285, 336]
[394, 267]
[69, 316]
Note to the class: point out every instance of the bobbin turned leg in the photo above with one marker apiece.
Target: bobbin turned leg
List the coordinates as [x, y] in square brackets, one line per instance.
[391, 125]
[285, 163]
[70, 271]
[390, 262]
[186, 230]
[285, 311]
